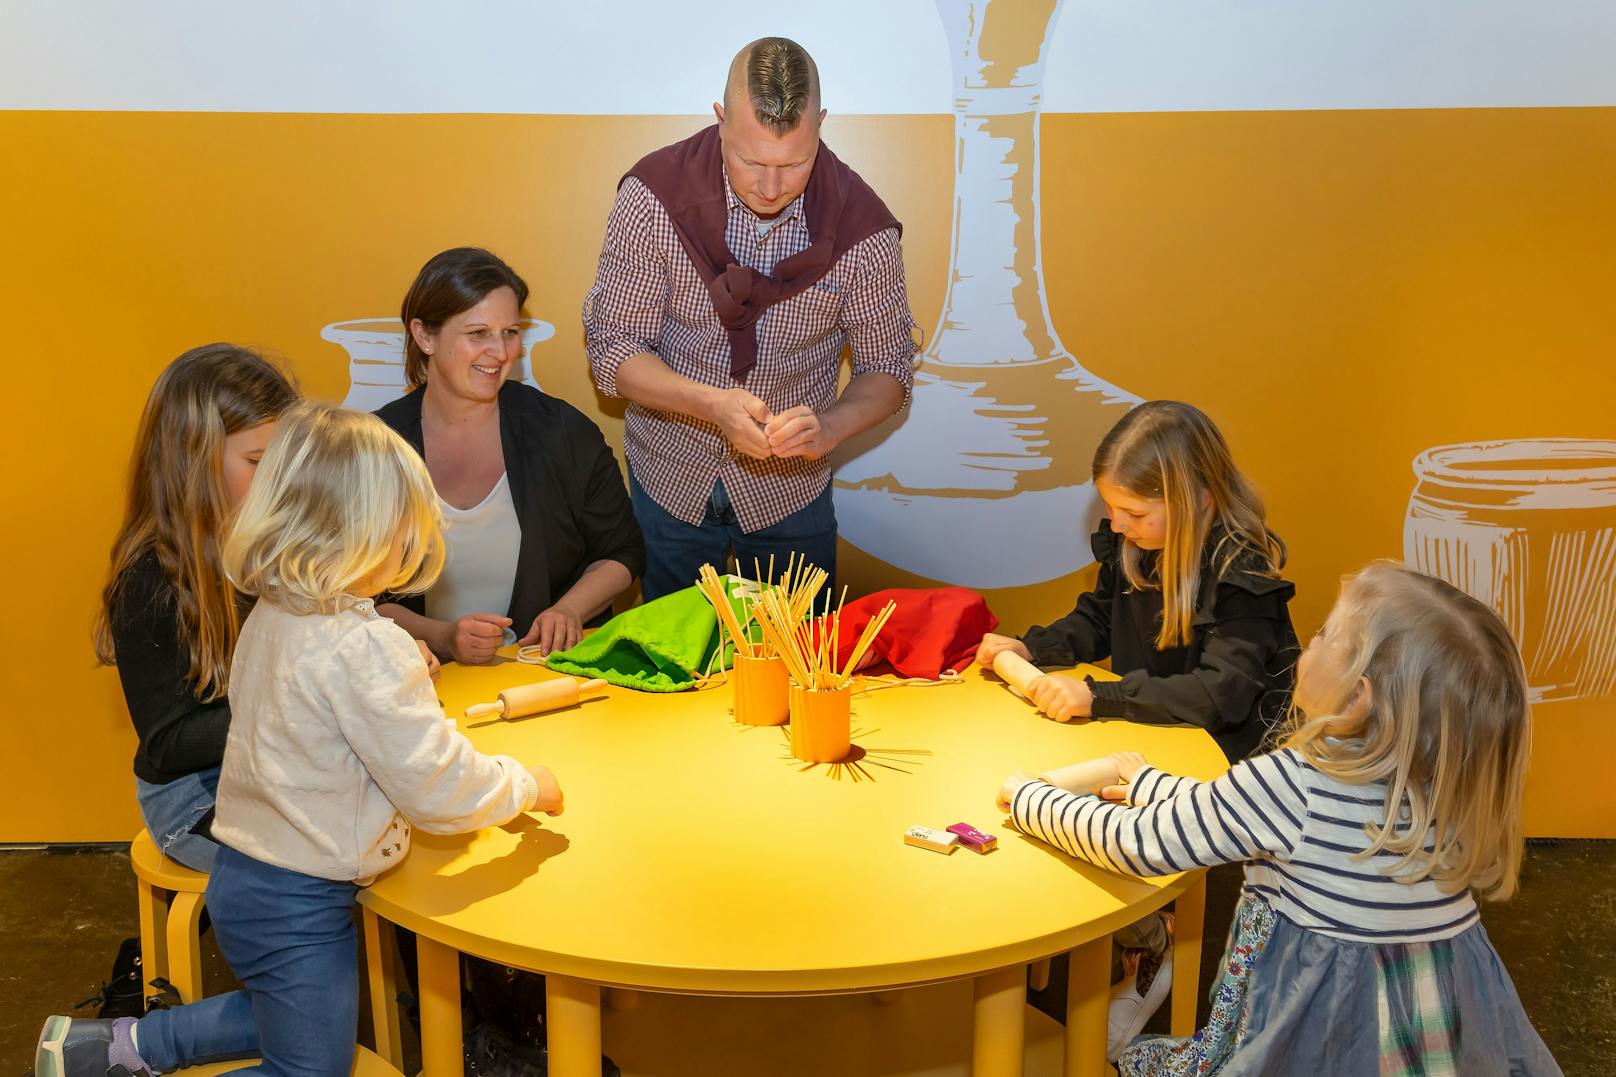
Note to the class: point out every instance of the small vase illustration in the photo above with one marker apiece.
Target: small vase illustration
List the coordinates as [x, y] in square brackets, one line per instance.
[375, 348]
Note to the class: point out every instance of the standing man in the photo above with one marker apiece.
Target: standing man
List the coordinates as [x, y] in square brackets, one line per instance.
[736, 266]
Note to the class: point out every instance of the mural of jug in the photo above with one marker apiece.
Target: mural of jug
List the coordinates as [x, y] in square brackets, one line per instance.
[1529, 527]
[984, 481]
[375, 348]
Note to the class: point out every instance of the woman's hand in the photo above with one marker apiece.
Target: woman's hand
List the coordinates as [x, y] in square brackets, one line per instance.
[993, 645]
[433, 666]
[550, 800]
[1128, 765]
[474, 638]
[1062, 698]
[1012, 785]
[556, 629]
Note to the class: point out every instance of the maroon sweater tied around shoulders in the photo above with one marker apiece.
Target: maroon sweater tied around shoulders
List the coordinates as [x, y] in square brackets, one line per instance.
[688, 179]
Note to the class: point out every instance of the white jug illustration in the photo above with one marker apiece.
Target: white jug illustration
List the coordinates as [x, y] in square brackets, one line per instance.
[1528, 527]
[375, 348]
[984, 481]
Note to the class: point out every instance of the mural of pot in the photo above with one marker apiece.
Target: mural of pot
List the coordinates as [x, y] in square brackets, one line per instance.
[1529, 527]
[984, 480]
[375, 348]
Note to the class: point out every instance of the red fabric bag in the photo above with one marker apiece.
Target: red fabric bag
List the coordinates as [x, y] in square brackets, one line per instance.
[932, 629]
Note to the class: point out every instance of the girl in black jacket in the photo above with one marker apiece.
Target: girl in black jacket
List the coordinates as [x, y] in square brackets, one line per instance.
[169, 617]
[1189, 605]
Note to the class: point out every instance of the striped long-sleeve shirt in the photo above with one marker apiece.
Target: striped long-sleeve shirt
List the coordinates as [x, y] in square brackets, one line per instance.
[1296, 829]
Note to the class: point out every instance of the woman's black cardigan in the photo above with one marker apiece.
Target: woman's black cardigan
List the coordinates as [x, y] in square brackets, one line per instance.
[570, 500]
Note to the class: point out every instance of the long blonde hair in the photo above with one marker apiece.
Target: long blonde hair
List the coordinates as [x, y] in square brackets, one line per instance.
[177, 506]
[335, 494]
[1169, 451]
[1446, 726]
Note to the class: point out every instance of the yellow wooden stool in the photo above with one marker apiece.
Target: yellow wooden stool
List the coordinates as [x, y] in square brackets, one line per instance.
[170, 915]
[365, 1064]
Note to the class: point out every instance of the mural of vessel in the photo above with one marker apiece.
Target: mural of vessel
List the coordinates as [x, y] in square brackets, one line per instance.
[375, 348]
[1529, 527]
[984, 480]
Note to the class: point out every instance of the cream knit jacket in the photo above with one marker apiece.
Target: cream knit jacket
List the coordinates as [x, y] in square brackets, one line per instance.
[338, 746]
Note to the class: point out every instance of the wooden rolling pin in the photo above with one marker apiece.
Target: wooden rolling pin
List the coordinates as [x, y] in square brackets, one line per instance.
[1016, 671]
[1089, 776]
[526, 699]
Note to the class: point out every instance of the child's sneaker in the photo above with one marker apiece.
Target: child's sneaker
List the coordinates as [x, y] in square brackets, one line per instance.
[1143, 988]
[88, 1047]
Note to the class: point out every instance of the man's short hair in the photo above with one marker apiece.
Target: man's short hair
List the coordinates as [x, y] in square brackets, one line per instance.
[782, 82]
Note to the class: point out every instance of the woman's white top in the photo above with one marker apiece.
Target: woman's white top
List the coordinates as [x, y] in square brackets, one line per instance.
[480, 569]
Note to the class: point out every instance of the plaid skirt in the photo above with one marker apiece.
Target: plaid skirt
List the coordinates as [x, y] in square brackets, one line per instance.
[1292, 1001]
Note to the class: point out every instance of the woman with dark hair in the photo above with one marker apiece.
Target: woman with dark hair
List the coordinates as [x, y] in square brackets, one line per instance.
[541, 535]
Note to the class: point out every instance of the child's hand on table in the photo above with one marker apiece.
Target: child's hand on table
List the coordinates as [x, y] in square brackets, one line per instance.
[550, 800]
[1128, 765]
[1107, 776]
[1062, 698]
[993, 644]
[433, 666]
[1011, 786]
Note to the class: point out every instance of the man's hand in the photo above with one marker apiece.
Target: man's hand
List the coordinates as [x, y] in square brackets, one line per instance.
[800, 431]
[1062, 698]
[742, 418]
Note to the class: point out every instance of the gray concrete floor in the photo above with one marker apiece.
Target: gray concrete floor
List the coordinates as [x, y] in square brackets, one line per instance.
[64, 910]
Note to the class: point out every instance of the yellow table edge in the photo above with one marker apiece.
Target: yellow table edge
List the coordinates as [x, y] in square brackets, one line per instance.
[730, 981]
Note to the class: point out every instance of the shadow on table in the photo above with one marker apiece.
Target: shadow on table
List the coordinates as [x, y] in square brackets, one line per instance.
[1121, 887]
[452, 891]
[863, 762]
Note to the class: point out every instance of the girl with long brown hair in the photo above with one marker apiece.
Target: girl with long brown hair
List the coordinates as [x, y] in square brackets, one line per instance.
[169, 617]
[1189, 604]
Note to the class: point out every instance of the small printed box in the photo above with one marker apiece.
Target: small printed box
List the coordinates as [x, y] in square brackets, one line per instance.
[924, 837]
[973, 839]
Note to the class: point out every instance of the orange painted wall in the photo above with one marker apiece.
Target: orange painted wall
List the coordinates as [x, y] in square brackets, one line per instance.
[1339, 289]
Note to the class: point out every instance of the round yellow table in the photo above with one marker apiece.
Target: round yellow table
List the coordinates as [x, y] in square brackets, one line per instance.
[696, 856]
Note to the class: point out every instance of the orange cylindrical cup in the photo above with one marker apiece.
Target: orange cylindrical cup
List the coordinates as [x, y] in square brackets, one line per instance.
[821, 723]
[760, 691]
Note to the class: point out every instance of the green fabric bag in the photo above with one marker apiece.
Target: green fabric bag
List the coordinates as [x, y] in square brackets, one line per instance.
[666, 645]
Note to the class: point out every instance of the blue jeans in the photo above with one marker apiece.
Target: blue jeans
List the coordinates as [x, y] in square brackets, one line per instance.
[675, 550]
[290, 939]
[172, 809]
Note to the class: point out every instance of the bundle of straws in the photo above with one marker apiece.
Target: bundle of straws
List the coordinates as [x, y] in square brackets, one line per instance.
[795, 589]
[809, 648]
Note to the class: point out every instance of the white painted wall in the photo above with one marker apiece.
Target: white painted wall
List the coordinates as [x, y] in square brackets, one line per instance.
[876, 56]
